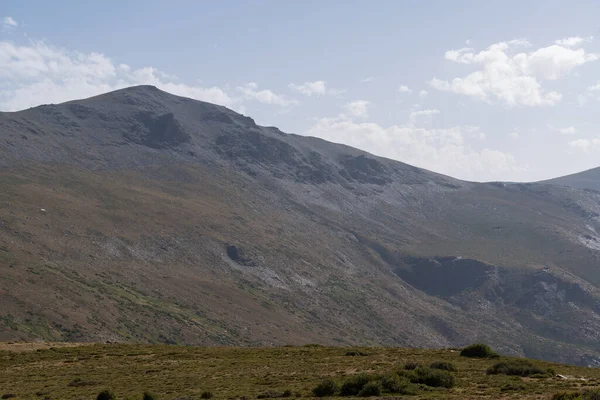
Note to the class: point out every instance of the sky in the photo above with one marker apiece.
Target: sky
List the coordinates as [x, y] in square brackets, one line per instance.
[479, 90]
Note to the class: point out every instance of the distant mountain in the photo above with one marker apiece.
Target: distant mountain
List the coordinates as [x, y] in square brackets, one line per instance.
[142, 216]
[589, 179]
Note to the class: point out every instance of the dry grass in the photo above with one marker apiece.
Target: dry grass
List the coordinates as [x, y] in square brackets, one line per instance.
[173, 372]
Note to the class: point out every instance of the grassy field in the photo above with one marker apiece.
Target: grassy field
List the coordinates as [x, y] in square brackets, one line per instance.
[173, 372]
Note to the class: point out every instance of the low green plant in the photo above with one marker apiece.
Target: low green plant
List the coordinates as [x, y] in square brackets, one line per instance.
[478, 350]
[206, 395]
[518, 368]
[354, 384]
[326, 388]
[149, 396]
[444, 365]
[370, 389]
[106, 395]
[410, 365]
[432, 377]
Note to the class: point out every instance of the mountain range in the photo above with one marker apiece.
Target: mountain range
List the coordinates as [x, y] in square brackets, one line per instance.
[141, 216]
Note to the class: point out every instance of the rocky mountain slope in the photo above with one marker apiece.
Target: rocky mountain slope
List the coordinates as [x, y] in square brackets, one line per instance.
[141, 216]
[589, 179]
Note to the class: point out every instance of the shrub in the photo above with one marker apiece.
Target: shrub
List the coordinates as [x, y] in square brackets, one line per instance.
[410, 365]
[286, 393]
[354, 353]
[478, 350]
[444, 365]
[106, 395]
[325, 388]
[517, 368]
[394, 384]
[354, 384]
[433, 377]
[149, 396]
[206, 395]
[372, 388]
[8, 396]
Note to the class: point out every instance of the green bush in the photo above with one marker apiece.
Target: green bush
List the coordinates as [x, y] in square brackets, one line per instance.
[444, 365]
[206, 395]
[410, 365]
[394, 384]
[433, 377]
[149, 396]
[372, 388]
[478, 350]
[354, 384]
[517, 368]
[325, 388]
[106, 395]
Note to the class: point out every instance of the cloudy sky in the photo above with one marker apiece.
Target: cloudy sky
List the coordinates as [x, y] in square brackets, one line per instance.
[480, 90]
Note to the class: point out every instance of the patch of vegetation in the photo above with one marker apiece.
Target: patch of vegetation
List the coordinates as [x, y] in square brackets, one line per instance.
[584, 395]
[443, 365]
[478, 350]
[432, 377]
[273, 394]
[354, 384]
[354, 353]
[149, 396]
[518, 368]
[206, 395]
[372, 388]
[106, 395]
[326, 388]
[410, 365]
[174, 372]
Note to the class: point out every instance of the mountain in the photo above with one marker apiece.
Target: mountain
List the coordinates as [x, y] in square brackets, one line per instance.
[142, 216]
[589, 179]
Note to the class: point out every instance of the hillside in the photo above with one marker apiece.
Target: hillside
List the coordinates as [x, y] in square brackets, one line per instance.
[173, 372]
[142, 216]
[589, 179]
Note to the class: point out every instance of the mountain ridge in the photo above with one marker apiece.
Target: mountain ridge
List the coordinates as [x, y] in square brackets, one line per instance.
[142, 216]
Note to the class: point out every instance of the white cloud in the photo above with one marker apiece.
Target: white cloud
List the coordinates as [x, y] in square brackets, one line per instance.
[514, 77]
[514, 135]
[585, 145]
[412, 117]
[573, 41]
[316, 88]
[250, 91]
[404, 89]
[8, 22]
[39, 73]
[570, 130]
[441, 150]
[368, 79]
[423, 94]
[358, 108]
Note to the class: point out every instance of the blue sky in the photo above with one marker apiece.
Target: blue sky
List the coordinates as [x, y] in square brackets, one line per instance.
[494, 90]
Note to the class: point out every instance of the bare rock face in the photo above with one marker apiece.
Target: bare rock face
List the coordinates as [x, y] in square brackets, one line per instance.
[157, 132]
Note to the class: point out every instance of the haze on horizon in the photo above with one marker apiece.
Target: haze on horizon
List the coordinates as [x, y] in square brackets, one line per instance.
[478, 91]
